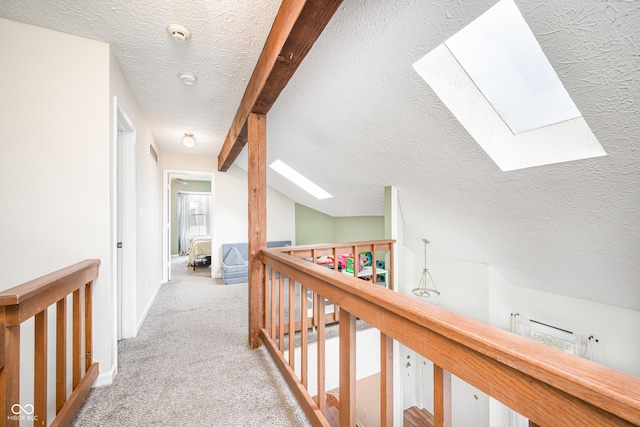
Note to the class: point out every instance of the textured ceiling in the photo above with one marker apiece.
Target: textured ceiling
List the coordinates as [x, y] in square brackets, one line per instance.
[356, 117]
[227, 37]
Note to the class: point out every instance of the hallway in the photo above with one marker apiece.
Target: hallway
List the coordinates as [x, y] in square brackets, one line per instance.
[190, 365]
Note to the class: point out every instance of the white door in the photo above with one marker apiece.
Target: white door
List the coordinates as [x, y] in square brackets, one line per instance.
[126, 226]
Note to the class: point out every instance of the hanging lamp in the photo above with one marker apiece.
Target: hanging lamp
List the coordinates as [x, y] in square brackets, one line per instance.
[427, 287]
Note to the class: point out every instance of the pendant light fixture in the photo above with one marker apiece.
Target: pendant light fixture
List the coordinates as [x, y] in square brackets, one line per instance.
[427, 287]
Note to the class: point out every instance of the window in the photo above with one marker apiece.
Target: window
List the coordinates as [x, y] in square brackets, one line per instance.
[199, 214]
[194, 218]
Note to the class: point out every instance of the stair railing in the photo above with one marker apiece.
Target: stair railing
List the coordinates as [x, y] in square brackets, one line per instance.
[549, 387]
[32, 300]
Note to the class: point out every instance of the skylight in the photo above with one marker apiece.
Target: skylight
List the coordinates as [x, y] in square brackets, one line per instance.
[495, 79]
[300, 180]
[503, 58]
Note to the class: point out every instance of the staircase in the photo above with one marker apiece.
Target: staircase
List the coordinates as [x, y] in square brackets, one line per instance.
[332, 412]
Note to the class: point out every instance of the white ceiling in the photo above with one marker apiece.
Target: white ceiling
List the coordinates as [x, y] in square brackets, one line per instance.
[356, 117]
[226, 38]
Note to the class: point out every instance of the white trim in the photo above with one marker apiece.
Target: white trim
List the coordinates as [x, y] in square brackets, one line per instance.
[106, 378]
[126, 161]
[148, 307]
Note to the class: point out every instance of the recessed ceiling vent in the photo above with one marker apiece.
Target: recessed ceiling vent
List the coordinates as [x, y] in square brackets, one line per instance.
[178, 32]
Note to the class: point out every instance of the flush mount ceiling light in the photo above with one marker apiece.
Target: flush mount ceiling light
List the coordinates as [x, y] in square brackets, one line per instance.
[300, 180]
[178, 32]
[187, 78]
[188, 140]
[427, 287]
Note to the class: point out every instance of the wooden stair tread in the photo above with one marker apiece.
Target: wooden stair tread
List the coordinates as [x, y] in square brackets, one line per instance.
[417, 417]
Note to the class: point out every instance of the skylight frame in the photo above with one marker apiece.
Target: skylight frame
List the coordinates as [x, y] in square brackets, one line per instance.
[300, 180]
[569, 140]
[502, 57]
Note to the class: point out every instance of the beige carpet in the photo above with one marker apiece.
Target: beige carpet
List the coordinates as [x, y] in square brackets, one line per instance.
[190, 365]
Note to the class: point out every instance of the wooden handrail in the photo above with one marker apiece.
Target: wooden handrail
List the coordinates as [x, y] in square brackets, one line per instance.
[33, 299]
[517, 371]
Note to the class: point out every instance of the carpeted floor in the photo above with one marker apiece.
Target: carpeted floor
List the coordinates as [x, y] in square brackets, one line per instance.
[190, 365]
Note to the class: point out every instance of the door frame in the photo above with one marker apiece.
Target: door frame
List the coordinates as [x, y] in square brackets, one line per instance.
[125, 225]
[167, 175]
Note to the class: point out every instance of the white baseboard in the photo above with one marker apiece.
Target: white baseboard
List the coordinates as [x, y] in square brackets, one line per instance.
[105, 378]
[148, 307]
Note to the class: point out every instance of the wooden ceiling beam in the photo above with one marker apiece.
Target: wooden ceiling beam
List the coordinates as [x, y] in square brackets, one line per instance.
[296, 28]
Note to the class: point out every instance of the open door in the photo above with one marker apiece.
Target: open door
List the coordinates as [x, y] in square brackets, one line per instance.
[170, 179]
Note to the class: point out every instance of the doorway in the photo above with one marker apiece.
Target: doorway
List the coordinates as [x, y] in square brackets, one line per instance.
[125, 225]
[179, 181]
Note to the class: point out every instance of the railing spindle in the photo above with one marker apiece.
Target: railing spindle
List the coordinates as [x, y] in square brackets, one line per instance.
[10, 376]
[40, 369]
[386, 381]
[320, 337]
[392, 263]
[77, 375]
[265, 297]
[292, 323]
[347, 368]
[374, 260]
[281, 314]
[441, 397]
[356, 264]
[61, 353]
[304, 337]
[274, 294]
[88, 325]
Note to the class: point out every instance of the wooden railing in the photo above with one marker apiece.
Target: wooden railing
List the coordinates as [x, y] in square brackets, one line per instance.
[32, 300]
[549, 387]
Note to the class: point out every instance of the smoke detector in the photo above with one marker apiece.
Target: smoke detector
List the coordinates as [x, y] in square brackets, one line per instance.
[187, 78]
[178, 32]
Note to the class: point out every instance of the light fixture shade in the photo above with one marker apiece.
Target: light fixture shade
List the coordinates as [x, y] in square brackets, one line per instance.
[188, 140]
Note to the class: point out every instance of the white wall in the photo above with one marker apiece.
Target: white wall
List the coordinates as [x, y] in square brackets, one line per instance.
[54, 165]
[57, 172]
[464, 286]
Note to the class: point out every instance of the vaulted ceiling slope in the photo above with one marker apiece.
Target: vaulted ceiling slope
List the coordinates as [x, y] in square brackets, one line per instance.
[356, 117]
